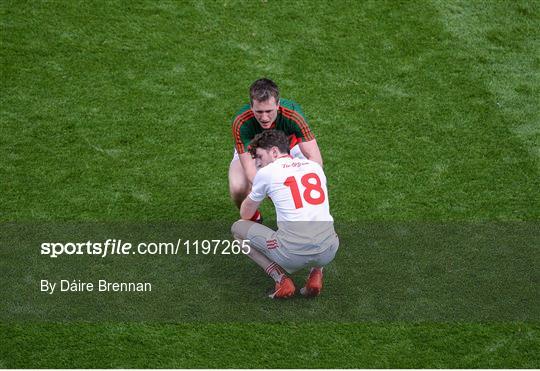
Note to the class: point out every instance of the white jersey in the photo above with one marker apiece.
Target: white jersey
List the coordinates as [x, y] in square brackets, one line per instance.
[298, 190]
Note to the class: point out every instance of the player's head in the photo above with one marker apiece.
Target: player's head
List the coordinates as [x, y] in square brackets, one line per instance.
[269, 145]
[264, 99]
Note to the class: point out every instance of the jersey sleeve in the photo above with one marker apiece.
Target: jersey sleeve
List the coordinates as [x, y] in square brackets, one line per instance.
[241, 131]
[259, 190]
[297, 122]
[246, 135]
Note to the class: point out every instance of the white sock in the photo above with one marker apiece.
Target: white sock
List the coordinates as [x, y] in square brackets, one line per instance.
[275, 271]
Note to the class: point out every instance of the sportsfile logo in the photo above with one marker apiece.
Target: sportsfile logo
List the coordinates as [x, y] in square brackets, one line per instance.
[112, 247]
[103, 249]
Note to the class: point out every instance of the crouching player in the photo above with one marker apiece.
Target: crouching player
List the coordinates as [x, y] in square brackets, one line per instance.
[305, 235]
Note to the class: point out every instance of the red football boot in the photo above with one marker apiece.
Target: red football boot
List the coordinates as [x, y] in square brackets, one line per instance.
[314, 283]
[284, 289]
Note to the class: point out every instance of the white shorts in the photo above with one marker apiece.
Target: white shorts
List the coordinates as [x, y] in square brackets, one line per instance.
[296, 152]
[265, 240]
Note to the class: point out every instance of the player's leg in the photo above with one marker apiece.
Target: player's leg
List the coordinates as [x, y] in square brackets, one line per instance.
[240, 231]
[239, 186]
[238, 182]
[258, 236]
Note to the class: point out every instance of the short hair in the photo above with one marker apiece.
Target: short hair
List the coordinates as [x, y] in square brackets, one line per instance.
[262, 89]
[268, 139]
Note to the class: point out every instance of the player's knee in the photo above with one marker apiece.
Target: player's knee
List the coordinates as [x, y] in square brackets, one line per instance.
[238, 194]
[238, 183]
[239, 229]
[235, 228]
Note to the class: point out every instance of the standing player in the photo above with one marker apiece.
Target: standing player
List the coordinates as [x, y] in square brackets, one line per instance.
[305, 235]
[266, 111]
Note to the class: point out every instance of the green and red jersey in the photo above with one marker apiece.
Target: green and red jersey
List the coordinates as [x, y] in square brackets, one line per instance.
[290, 119]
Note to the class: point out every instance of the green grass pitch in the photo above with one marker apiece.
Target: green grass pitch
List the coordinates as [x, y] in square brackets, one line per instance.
[425, 112]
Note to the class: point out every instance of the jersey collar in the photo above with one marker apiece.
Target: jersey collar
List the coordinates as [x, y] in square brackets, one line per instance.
[284, 157]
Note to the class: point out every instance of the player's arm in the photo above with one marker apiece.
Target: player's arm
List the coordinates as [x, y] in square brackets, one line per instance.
[256, 196]
[308, 145]
[311, 151]
[248, 163]
[248, 208]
